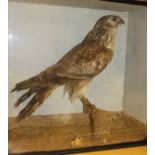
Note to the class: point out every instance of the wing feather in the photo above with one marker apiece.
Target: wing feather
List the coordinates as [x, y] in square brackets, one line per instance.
[83, 62]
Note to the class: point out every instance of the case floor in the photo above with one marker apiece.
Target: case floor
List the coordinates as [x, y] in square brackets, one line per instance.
[71, 131]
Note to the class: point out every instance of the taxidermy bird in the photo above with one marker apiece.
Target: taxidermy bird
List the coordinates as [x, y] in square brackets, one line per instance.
[74, 71]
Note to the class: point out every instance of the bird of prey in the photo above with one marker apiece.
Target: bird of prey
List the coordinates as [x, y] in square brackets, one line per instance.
[75, 70]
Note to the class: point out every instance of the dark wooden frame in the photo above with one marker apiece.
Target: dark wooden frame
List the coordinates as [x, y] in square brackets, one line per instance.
[88, 149]
[133, 2]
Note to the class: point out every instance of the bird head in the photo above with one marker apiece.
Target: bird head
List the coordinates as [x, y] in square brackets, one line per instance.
[110, 21]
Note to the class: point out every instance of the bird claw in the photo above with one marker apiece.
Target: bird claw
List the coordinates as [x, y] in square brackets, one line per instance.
[90, 109]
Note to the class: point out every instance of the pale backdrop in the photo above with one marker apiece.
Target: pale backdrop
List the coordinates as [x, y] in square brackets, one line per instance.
[39, 35]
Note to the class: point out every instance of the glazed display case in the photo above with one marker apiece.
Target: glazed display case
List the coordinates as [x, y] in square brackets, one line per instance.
[43, 31]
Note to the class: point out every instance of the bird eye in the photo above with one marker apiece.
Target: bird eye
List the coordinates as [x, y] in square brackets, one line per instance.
[114, 18]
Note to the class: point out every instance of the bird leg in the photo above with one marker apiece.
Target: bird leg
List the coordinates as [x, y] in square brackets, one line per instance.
[90, 109]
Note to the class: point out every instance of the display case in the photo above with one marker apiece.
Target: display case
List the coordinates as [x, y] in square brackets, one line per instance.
[43, 31]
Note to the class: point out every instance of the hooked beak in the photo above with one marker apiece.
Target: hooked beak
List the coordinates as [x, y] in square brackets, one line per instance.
[121, 21]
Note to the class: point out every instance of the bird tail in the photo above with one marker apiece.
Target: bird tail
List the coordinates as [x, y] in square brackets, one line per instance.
[32, 82]
[39, 97]
[40, 93]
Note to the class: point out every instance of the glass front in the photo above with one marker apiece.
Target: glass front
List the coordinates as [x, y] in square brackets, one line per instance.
[95, 95]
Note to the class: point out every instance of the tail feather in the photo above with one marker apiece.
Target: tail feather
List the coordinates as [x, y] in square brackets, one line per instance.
[32, 82]
[34, 103]
[38, 88]
[25, 96]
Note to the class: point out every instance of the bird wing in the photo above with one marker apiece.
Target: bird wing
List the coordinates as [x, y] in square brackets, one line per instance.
[83, 61]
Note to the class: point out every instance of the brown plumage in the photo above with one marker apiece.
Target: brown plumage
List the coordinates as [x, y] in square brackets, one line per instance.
[75, 70]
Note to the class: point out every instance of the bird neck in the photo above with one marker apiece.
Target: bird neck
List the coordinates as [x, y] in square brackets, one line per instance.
[103, 37]
[107, 39]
